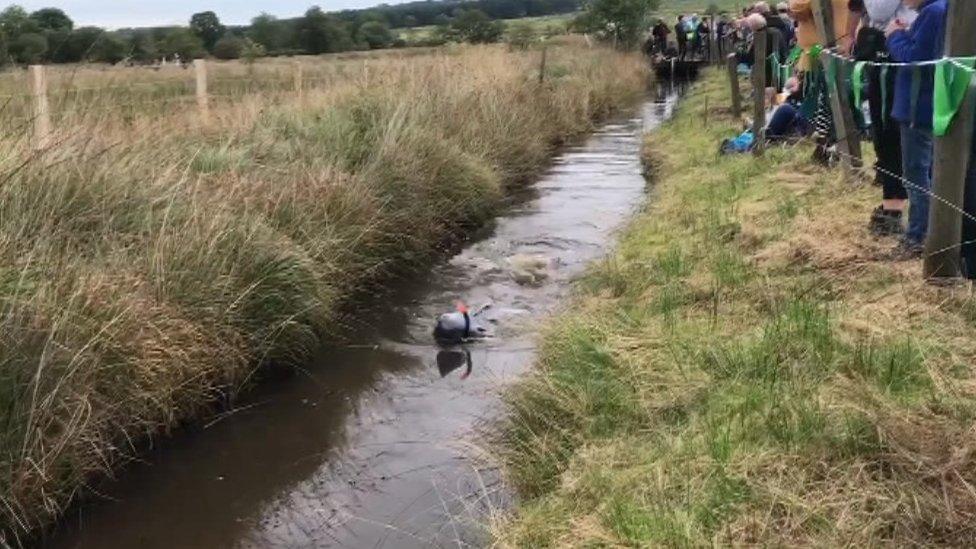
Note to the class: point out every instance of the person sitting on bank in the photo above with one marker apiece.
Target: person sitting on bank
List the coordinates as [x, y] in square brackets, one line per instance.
[787, 122]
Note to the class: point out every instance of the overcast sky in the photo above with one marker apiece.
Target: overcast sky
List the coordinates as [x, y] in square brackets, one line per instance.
[143, 13]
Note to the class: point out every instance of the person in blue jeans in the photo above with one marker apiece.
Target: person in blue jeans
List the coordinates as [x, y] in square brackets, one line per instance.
[923, 41]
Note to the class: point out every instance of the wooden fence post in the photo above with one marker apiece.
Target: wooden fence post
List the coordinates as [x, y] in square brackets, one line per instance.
[542, 65]
[40, 109]
[759, 67]
[203, 97]
[715, 56]
[299, 80]
[848, 135]
[952, 155]
[733, 65]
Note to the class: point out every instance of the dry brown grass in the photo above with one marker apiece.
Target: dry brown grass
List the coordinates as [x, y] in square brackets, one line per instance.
[148, 264]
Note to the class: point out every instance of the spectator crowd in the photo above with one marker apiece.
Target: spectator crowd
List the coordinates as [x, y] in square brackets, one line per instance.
[899, 41]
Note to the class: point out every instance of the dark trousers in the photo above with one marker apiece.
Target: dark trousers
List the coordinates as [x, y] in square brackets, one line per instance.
[682, 49]
[886, 134]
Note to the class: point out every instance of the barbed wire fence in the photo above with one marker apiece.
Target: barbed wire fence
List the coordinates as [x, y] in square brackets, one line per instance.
[43, 107]
[955, 86]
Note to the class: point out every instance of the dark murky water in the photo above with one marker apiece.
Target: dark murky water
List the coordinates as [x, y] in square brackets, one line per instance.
[371, 446]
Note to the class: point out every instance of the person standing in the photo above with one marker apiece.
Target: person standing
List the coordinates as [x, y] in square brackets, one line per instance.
[660, 33]
[783, 11]
[704, 34]
[774, 44]
[875, 16]
[923, 41]
[774, 21]
[721, 31]
[681, 35]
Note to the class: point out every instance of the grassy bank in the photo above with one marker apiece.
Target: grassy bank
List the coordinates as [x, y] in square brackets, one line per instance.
[746, 369]
[149, 265]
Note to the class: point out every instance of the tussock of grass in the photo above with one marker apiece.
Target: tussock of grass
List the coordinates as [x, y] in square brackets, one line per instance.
[746, 370]
[148, 266]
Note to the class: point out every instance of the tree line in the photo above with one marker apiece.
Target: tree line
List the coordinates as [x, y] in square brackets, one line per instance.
[49, 35]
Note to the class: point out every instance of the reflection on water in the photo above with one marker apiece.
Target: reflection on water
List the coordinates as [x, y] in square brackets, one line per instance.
[450, 360]
[369, 446]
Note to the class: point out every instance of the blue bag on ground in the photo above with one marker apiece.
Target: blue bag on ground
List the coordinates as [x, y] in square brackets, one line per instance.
[741, 144]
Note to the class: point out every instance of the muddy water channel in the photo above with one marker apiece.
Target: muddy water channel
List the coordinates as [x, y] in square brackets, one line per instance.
[371, 445]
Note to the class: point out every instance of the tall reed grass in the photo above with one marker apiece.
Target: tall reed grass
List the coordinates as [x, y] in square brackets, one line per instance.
[149, 265]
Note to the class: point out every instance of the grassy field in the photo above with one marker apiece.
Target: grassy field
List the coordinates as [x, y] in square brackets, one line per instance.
[86, 94]
[545, 25]
[149, 264]
[747, 369]
[671, 8]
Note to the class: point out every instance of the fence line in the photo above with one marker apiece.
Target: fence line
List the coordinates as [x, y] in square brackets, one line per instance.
[202, 88]
[953, 150]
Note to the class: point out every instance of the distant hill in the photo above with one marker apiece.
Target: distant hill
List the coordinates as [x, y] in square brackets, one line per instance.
[430, 12]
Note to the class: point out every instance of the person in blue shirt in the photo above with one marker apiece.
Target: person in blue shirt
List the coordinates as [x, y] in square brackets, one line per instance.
[923, 41]
[681, 35]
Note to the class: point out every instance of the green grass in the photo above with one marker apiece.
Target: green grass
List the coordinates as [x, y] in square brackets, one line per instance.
[739, 373]
[671, 8]
[543, 25]
[149, 265]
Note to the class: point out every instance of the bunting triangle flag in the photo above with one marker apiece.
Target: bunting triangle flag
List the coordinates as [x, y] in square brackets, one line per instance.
[952, 81]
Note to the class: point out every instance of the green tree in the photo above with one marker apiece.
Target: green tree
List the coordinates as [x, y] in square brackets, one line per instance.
[57, 42]
[268, 31]
[620, 21]
[109, 48]
[319, 33]
[206, 25]
[74, 46]
[143, 47]
[184, 43]
[375, 34]
[521, 35]
[15, 21]
[475, 27]
[229, 47]
[252, 51]
[5, 58]
[29, 48]
[52, 19]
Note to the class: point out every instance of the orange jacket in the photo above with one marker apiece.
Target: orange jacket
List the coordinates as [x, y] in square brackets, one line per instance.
[806, 32]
